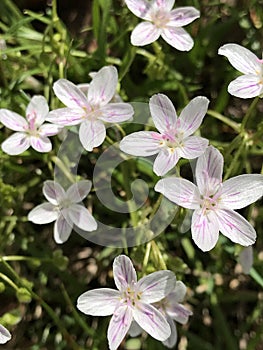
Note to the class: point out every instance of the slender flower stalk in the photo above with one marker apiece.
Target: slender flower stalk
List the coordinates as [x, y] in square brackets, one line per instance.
[161, 20]
[214, 201]
[132, 301]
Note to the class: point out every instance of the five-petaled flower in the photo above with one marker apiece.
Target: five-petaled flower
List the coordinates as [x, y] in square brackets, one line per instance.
[5, 336]
[173, 310]
[91, 110]
[161, 20]
[30, 131]
[64, 209]
[213, 201]
[174, 139]
[251, 83]
[132, 301]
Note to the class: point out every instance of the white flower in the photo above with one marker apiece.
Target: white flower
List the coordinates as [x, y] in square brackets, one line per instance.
[132, 301]
[63, 208]
[251, 83]
[5, 336]
[174, 139]
[30, 131]
[93, 110]
[161, 20]
[213, 201]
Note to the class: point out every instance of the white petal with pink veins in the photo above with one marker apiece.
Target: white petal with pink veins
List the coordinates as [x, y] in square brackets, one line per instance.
[37, 110]
[79, 190]
[43, 214]
[13, 120]
[181, 16]
[82, 218]
[62, 229]
[193, 147]
[123, 272]
[141, 143]
[66, 116]
[178, 38]
[70, 94]
[246, 86]
[41, 144]
[165, 161]
[53, 192]
[49, 129]
[116, 112]
[145, 33]
[163, 112]
[16, 143]
[92, 133]
[139, 8]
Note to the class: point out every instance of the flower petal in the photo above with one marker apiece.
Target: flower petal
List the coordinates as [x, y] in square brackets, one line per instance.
[53, 192]
[152, 321]
[49, 129]
[13, 120]
[209, 170]
[91, 134]
[193, 147]
[123, 272]
[235, 227]
[5, 336]
[166, 5]
[66, 116]
[82, 218]
[144, 33]
[179, 313]
[103, 86]
[119, 325]
[171, 341]
[178, 38]
[178, 294]
[79, 190]
[156, 286]
[180, 191]
[181, 16]
[98, 302]
[141, 143]
[43, 214]
[116, 112]
[240, 191]
[62, 228]
[192, 115]
[205, 229]
[246, 86]
[41, 144]
[241, 58]
[70, 94]
[37, 110]
[165, 161]
[16, 144]
[139, 8]
[163, 112]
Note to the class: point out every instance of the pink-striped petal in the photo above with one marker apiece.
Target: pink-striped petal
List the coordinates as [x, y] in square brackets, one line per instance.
[171, 341]
[209, 170]
[5, 335]
[92, 133]
[240, 191]
[70, 94]
[79, 190]
[235, 227]
[165, 161]
[37, 110]
[103, 86]
[177, 295]
[145, 33]
[152, 321]
[119, 325]
[246, 86]
[177, 38]
[165, 5]
[98, 302]
[141, 143]
[181, 16]
[13, 120]
[53, 192]
[66, 116]
[16, 144]
[180, 191]
[82, 218]
[156, 286]
[123, 272]
[116, 112]
[179, 313]
[241, 58]
[163, 112]
[139, 8]
[62, 228]
[43, 214]
[49, 129]
[193, 147]
[41, 144]
[205, 229]
[192, 115]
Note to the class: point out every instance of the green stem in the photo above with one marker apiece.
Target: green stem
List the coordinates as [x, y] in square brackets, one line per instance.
[9, 281]
[225, 120]
[256, 276]
[248, 113]
[233, 163]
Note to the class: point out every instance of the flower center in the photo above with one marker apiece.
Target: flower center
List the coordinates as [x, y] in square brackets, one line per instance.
[65, 203]
[160, 18]
[130, 296]
[172, 140]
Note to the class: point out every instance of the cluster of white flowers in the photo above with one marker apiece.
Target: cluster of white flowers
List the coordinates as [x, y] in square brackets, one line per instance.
[152, 303]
